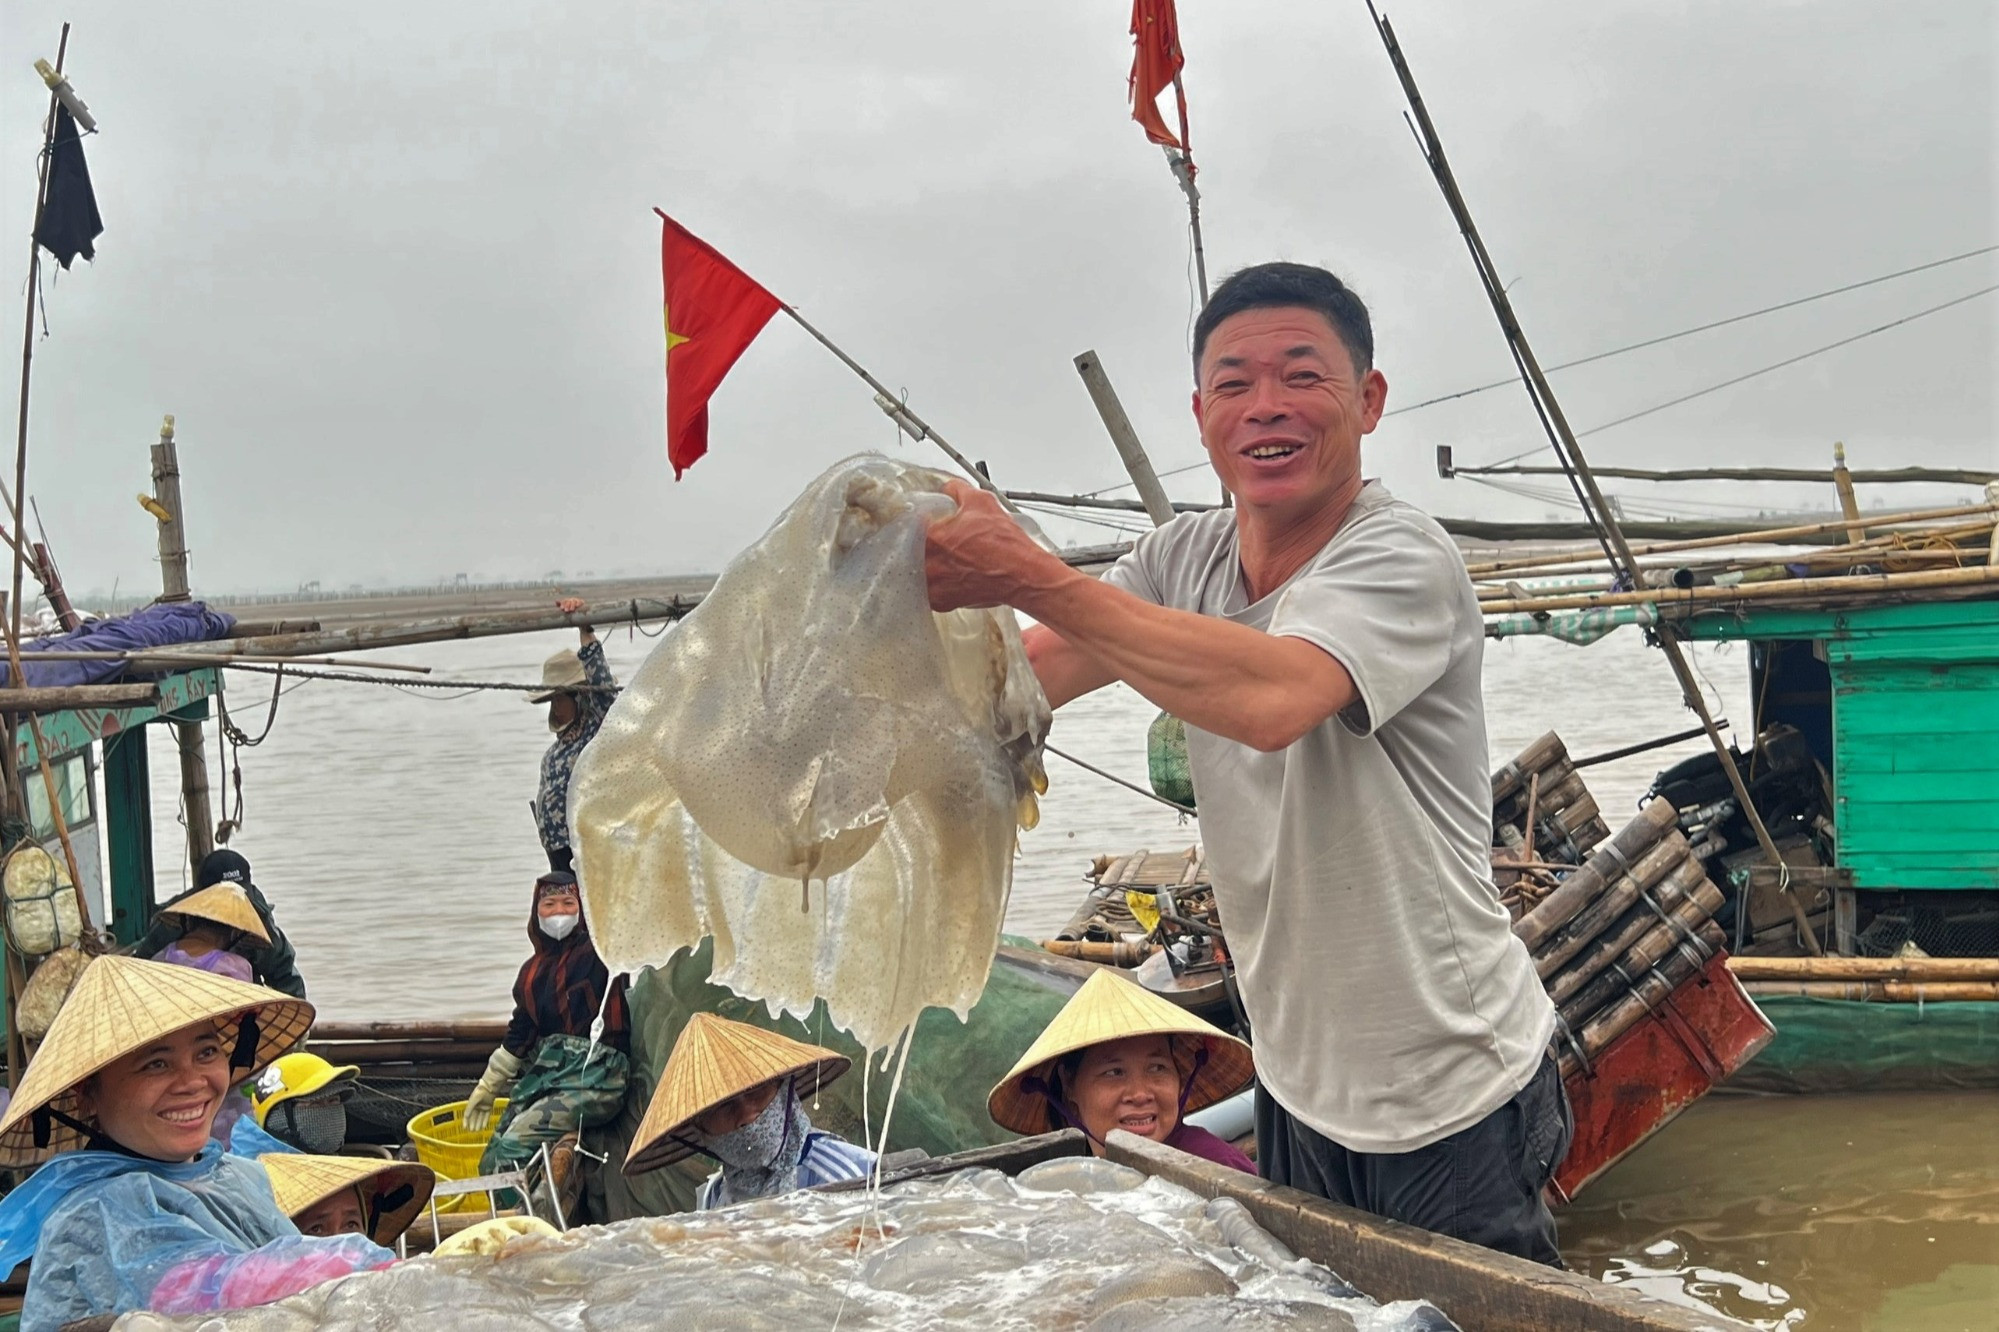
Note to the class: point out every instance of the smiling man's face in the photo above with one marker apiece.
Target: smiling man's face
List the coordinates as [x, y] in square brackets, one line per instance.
[1282, 409]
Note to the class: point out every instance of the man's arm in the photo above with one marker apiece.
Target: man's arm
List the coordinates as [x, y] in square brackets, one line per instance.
[1066, 671]
[1222, 677]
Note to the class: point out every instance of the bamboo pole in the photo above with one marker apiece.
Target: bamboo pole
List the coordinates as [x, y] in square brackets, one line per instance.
[1865, 968]
[1800, 589]
[13, 612]
[898, 411]
[1667, 857]
[1849, 503]
[1760, 536]
[175, 587]
[1657, 938]
[1651, 990]
[64, 697]
[167, 657]
[1136, 464]
[1121, 953]
[1950, 476]
[484, 1030]
[1892, 992]
[1605, 864]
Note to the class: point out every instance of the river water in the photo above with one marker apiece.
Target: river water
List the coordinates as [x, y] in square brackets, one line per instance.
[390, 828]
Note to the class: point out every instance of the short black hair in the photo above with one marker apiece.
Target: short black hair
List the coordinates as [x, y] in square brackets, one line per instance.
[1274, 285]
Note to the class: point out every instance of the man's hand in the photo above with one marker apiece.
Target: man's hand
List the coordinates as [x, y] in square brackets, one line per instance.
[570, 605]
[979, 556]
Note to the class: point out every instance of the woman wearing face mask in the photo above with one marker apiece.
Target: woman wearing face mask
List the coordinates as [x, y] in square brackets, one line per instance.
[732, 1092]
[557, 1084]
[138, 1209]
[349, 1195]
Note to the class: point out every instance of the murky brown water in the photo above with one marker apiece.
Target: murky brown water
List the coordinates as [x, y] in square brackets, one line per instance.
[1872, 1213]
[391, 830]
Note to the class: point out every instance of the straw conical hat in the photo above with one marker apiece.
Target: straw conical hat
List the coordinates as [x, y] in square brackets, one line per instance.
[224, 903]
[713, 1060]
[300, 1181]
[1111, 1008]
[119, 1005]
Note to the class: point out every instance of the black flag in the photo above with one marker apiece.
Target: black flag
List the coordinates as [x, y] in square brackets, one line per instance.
[69, 218]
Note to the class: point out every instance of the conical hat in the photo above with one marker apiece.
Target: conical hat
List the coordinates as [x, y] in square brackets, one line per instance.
[299, 1181]
[713, 1060]
[224, 903]
[1111, 1008]
[119, 1005]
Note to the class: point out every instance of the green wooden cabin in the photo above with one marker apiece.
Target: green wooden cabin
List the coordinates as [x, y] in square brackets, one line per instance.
[1901, 705]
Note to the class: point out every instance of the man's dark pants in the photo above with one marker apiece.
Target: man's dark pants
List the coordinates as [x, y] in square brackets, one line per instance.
[1482, 1184]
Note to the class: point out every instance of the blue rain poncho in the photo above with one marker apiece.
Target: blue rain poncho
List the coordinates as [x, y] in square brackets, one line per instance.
[112, 1233]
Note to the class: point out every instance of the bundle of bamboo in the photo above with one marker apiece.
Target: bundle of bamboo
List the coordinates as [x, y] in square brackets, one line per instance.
[1613, 922]
[1544, 821]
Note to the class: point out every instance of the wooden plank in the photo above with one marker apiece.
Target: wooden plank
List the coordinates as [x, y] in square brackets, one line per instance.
[1479, 1289]
[1903, 676]
[1912, 753]
[1914, 786]
[1007, 1157]
[1850, 623]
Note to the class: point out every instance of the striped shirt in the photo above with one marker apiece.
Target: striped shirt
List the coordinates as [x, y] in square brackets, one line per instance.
[828, 1159]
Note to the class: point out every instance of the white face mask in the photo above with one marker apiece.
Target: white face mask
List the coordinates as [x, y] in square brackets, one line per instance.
[558, 927]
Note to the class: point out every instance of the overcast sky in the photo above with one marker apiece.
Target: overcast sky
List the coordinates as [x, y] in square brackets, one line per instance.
[394, 267]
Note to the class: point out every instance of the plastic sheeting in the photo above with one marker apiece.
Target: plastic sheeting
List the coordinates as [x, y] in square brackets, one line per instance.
[816, 761]
[151, 627]
[1075, 1243]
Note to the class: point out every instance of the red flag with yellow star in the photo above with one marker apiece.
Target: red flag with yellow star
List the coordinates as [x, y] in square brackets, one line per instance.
[713, 313]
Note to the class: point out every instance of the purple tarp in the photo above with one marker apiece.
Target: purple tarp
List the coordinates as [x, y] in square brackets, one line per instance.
[151, 627]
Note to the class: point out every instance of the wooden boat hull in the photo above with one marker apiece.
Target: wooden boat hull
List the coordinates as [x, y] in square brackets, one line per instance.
[1482, 1291]
[1706, 1030]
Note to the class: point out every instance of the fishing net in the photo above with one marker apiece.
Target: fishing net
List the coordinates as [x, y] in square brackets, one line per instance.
[816, 761]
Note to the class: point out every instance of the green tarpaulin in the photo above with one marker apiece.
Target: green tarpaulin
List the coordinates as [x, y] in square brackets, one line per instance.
[942, 1105]
[1834, 1045]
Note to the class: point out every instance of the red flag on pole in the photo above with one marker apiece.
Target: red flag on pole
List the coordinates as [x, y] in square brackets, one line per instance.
[1155, 65]
[713, 312]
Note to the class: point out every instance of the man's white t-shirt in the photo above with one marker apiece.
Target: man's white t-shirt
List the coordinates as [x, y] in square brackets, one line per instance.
[1391, 1003]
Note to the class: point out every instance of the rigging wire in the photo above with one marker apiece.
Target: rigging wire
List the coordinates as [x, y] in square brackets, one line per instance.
[1700, 328]
[1764, 370]
[1669, 337]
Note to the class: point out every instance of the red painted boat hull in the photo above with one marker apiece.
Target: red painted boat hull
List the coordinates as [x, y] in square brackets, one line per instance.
[1705, 1030]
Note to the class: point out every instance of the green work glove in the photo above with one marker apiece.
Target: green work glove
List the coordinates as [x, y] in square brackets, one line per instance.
[495, 1082]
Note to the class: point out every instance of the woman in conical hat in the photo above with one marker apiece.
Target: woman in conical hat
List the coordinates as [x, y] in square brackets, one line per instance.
[349, 1195]
[1120, 1057]
[138, 1209]
[213, 922]
[732, 1092]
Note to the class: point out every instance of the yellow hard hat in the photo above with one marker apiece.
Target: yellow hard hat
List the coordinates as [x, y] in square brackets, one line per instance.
[295, 1075]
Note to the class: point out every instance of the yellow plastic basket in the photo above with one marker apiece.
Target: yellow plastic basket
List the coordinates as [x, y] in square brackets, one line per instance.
[445, 1145]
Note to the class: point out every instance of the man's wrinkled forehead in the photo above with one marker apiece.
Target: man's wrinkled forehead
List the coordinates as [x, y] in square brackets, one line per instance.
[1317, 339]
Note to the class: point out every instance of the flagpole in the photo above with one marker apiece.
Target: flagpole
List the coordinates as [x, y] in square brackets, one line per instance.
[1182, 165]
[12, 624]
[899, 412]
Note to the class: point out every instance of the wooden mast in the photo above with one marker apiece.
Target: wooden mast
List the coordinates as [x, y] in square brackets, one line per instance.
[1570, 455]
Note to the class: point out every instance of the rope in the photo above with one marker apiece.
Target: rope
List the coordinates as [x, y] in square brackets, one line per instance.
[1129, 786]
